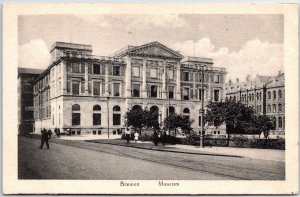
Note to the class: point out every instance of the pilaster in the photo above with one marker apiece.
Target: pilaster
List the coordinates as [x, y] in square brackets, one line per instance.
[106, 80]
[164, 96]
[86, 78]
[144, 85]
[128, 77]
[178, 92]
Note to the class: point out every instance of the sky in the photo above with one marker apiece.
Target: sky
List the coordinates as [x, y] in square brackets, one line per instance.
[243, 44]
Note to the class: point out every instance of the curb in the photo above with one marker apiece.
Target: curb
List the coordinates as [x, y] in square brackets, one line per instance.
[164, 150]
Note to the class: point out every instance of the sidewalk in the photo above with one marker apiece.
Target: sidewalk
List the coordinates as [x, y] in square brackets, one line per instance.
[263, 154]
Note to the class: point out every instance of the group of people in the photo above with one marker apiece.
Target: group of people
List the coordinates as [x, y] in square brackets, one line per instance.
[157, 136]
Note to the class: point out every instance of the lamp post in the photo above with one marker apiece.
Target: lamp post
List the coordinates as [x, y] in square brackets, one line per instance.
[107, 104]
[202, 108]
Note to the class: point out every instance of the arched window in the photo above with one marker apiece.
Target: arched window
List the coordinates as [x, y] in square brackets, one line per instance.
[96, 115]
[234, 98]
[257, 96]
[274, 108]
[116, 115]
[249, 97]
[269, 108]
[75, 114]
[269, 95]
[279, 107]
[260, 96]
[275, 123]
[186, 111]
[252, 97]
[136, 107]
[279, 94]
[171, 110]
[274, 94]
[279, 122]
[116, 108]
[154, 109]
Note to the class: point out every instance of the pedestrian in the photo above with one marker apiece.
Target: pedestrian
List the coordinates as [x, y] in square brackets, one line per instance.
[127, 134]
[163, 137]
[136, 136]
[45, 138]
[155, 138]
[58, 132]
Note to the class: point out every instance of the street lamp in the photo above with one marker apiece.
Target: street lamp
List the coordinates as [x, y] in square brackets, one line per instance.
[202, 107]
[107, 103]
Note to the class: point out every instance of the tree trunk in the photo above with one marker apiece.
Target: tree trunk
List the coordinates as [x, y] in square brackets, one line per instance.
[228, 139]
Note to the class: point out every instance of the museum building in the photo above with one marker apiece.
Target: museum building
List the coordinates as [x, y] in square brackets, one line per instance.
[81, 91]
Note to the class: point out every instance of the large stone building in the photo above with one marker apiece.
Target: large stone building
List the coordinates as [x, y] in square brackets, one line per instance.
[25, 98]
[88, 93]
[265, 94]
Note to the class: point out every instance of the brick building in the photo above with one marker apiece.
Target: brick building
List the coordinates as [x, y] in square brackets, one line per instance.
[265, 94]
[25, 98]
[85, 92]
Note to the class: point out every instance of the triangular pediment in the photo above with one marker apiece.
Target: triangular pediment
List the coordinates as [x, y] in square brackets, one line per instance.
[155, 49]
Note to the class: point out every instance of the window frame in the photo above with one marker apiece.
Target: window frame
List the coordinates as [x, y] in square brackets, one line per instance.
[118, 73]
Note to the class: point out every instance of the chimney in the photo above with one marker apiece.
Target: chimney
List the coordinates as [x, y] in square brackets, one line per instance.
[230, 82]
[279, 72]
[248, 78]
[237, 80]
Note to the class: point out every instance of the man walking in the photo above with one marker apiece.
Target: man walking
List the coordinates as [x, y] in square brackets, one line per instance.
[45, 138]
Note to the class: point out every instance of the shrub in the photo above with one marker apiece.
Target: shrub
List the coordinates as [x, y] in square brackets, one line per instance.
[191, 139]
[146, 137]
[169, 139]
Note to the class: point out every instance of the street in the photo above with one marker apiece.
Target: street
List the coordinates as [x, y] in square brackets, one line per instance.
[96, 161]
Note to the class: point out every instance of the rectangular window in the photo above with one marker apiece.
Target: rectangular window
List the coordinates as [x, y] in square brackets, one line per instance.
[96, 87]
[116, 89]
[216, 95]
[186, 93]
[199, 120]
[136, 90]
[96, 69]
[154, 91]
[200, 94]
[171, 74]
[153, 73]
[171, 92]
[136, 71]
[75, 67]
[75, 118]
[116, 70]
[75, 87]
[96, 119]
[217, 78]
[186, 76]
[116, 119]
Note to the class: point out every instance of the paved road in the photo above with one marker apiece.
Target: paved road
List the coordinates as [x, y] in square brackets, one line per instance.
[84, 160]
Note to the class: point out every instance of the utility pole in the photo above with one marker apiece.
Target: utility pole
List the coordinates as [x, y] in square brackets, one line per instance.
[107, 116]
[202, 108]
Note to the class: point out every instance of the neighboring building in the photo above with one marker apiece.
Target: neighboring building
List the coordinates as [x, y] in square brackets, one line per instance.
[25, 98]
[265, 94]
[84, 92]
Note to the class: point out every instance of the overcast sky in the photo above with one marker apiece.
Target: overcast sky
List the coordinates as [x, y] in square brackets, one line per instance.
[236, 42]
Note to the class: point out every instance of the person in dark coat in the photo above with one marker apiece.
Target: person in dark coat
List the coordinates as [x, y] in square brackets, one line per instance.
[58, 132]
[163, 137]
[155, 138]
[127, 134]
[45, 138]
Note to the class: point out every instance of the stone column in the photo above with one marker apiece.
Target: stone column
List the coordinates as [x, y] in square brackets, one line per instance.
[144, 85]
[209, 86]
[86, 78]
[64, 78]
[194, 86]
[178, 92]
[128, 77]
[164, 96]
[106, 80]
[164, 111]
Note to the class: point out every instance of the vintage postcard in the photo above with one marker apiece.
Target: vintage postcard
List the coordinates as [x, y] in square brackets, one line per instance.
[150, 98]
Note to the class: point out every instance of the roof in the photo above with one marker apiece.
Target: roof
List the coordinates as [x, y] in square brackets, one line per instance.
[30, 71]
[263, 79]
[128, 49]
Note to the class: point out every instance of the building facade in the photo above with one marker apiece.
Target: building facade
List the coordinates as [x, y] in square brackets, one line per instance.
[26, 78]
[84, 92]
[265, 94]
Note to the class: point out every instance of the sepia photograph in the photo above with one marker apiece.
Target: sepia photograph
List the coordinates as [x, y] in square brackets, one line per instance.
[161, 97]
